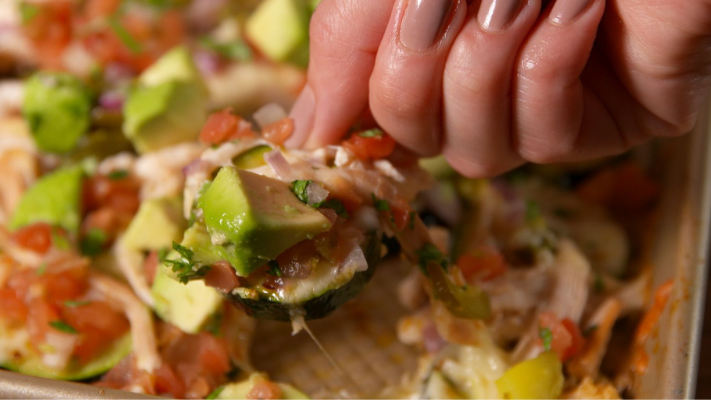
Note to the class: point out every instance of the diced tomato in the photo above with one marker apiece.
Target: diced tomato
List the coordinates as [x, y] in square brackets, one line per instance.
[12, 306]
[172, 29]
[98, 324]
[50, 31]
[401, 217]
[370, 148]
[578, 343]
[566, 340]
[213, 355]
[65, 285]
[222, 126]
[95, 9]
[167, 381]
[264, 390]
[150, 266]
[483, 264]
[299, 260]
[41, 314]
[222, 276]
[277, 132]
[36, 237]
[624, 188]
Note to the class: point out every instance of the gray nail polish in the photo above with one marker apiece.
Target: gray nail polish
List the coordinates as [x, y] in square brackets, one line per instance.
[496, 15]
[424, 22]
[566, 11]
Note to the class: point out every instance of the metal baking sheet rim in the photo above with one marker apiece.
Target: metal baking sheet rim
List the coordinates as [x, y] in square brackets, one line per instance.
[675, 347]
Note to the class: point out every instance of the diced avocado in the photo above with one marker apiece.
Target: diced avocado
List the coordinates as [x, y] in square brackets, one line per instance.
[54, 199]
[239, 390]
[257, 216]
[57, 107]
[169, 105]
[189, 306]
[158, 223]
[280, 29]
[175, 66]
[251, 158]
[107, 359]
[164, 115]
[537, 378]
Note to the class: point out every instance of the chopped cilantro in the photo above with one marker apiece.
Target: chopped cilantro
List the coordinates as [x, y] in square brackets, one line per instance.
[335, 205]
[59, 240]
[547, 337]
[274, 268]
[213, 325]
[28, 12]
[430, 253]
[533, 211]
[235, 50]
[371, 133]
[42, 269]
[93, 242]
[380, 204]
[411, 220]
[184, 266]
[298, 187]
[131, 44]
[215, 393]
[74, 304]
[63, 327]
[118, 174]
[599, 283]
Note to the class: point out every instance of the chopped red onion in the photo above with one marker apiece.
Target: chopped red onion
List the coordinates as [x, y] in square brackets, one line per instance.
[278, 163]
[207, 62]
[316, 193]
[356, 258]
[111, 101]
[268, 114]
[432, 340]
[195, 166]
[330, 214]
[115, 72]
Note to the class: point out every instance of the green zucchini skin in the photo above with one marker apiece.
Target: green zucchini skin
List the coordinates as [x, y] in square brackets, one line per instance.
[318, 307]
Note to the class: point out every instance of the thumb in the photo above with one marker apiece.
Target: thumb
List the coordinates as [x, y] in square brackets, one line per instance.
[345, 36]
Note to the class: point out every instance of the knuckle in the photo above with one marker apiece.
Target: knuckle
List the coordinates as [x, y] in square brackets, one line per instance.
[544, 149]
[474, 168]
[391, 97]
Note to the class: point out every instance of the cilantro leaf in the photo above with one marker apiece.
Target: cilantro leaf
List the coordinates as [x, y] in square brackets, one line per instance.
[298, 187]
[380, 204]
[214, 324]
[430, 253]
[117, 175]
[93, 242]
[74, 304]
[184, 266]
[131, 44]
[28, 12]
[63, 327]
[274, 268]
[371, 133]
[335, 205]
[234, 50]
[547, 337]
[42, 269]
[215, 393]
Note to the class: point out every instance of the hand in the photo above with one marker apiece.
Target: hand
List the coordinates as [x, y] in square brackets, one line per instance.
[495, 83]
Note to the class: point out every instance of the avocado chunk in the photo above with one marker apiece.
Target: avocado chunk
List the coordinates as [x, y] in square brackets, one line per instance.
[168, 106]
[189, 307]
[158, 223]
[280, 29]
[57, 108]
[239, 390]
[31, 364]
[54, 199]
[251, 158]
[256, 217]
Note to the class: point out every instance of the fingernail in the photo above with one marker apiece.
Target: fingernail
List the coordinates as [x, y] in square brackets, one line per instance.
[424, 22]
[302, 113]
[566, 11]
[496, 15]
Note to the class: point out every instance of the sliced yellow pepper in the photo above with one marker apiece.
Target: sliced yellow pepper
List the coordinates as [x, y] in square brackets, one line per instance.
[538, 378]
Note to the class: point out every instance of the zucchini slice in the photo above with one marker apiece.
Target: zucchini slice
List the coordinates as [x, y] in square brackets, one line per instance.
[314, 304]
[31, 364]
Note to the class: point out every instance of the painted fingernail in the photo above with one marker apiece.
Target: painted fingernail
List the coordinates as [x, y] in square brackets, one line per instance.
[496, 15]
[302, 113]
[566, 11]
[424, 22]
